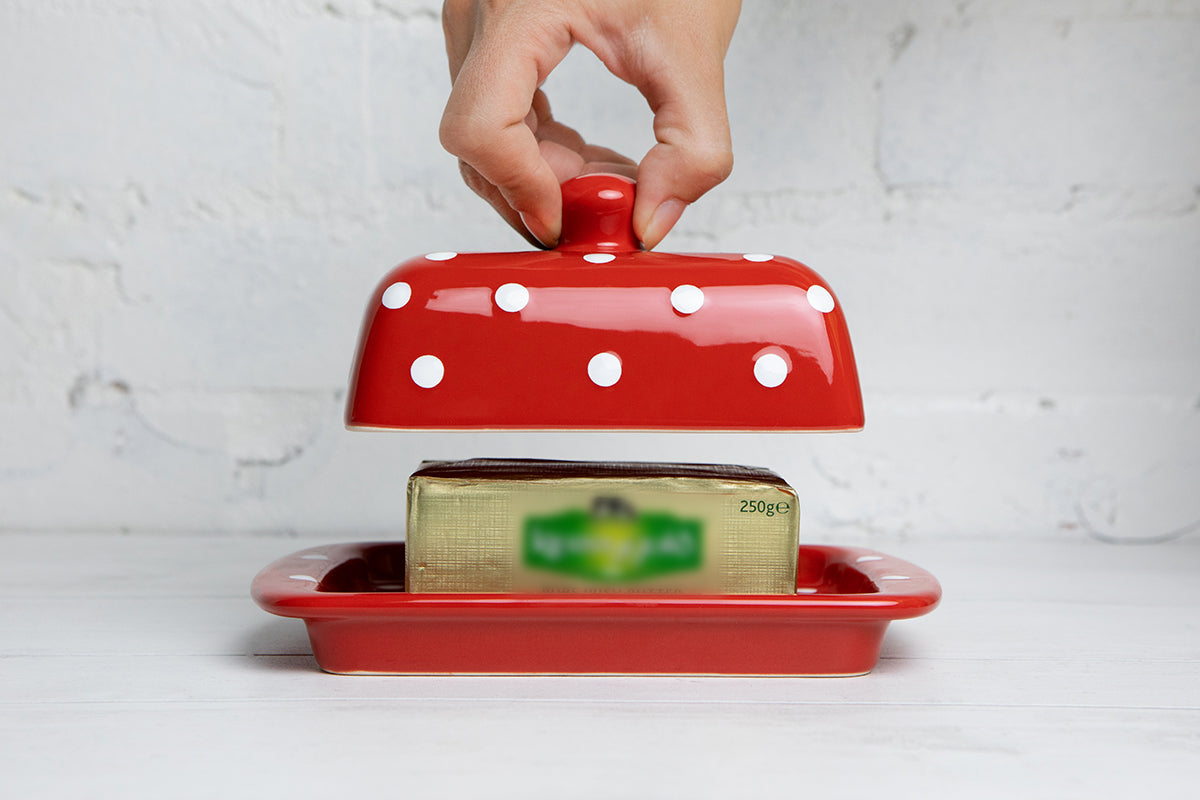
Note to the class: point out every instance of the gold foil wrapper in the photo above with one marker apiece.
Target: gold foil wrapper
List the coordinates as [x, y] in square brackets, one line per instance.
[514, 525]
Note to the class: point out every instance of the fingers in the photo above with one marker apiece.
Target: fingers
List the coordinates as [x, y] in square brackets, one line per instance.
[485, 121]
[515, 155]
[458, 27]
[610, 168]
[565, 162]
[569, 155]
[478, 184]
[602, 155]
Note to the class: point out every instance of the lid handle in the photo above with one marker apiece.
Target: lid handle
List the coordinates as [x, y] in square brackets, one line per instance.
[598, 214]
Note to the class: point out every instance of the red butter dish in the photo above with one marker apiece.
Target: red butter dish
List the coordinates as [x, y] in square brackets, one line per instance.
[360, 620]
[599, 334]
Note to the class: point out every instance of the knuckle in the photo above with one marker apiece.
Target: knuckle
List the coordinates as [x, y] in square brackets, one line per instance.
[714, 164]
[463, 135]
[474, 181]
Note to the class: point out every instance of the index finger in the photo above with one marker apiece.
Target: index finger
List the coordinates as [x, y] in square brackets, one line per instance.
[484, 122]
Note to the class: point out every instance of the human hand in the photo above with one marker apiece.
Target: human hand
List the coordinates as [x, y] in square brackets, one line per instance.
[514, 154]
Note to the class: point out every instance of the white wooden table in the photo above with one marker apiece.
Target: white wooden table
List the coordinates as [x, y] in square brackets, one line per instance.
[137, 666]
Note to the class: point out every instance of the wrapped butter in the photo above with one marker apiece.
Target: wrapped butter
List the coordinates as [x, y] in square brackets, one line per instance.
[519, 525]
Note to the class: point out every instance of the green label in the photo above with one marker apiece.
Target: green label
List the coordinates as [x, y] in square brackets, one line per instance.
[612, 542]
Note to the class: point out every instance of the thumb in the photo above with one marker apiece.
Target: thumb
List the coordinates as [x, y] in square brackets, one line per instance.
[693, 154]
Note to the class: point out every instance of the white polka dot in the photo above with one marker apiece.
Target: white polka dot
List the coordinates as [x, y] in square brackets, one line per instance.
[610, 194]
[443, 256]
[806, 590]
[512, 297]
[757, 256]
[687, 299]
[604, 369]
[397, 295]
[427, 371]
[598, 258]
[820, 299]
[770, 370]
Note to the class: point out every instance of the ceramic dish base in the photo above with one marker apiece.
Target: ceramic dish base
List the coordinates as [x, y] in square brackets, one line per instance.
[361, 621]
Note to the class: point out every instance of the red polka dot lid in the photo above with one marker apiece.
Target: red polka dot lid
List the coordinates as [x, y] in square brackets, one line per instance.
[600, 334]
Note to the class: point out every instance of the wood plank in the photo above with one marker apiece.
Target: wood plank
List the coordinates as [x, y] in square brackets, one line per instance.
[139, 565]
[497, 749]
[136, 626]
[1051, 668]
[1064, 683]
[1073, 571]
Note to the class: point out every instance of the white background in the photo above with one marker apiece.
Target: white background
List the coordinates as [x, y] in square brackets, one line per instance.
[196, 199]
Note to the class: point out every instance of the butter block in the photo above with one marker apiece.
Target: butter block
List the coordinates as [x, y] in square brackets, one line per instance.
[519, 525]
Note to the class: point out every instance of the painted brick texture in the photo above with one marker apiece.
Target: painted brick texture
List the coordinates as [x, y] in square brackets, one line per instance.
[196, 199]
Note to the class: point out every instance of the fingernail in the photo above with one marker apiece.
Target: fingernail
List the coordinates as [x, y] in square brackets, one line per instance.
[662, 220]
[544, 233]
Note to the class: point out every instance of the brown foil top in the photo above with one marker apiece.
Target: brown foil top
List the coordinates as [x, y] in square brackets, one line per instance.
[532, 469]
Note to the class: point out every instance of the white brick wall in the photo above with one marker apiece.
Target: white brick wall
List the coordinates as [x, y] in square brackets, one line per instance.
[197, 197]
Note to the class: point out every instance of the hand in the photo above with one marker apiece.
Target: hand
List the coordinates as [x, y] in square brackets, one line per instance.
[512, 151]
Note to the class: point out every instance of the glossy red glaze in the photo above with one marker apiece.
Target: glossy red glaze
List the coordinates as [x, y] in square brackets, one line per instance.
[360, 620]
[680, 367]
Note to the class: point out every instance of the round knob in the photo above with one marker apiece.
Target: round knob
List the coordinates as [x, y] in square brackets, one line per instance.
[598, 214]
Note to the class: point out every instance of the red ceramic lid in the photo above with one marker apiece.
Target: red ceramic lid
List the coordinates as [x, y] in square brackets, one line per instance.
[600, 334]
